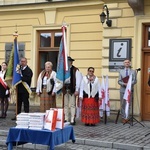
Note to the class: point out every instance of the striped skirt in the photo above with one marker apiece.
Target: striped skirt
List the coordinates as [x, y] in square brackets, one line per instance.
[47, 101]
[90, 111]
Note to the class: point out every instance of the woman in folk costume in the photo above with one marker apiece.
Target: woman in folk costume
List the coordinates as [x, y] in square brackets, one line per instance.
[90, 95]
[4, 91]
[46, 88]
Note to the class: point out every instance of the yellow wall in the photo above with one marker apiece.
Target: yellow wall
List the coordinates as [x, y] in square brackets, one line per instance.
[23, 22]
[88, 40]
[84, 30]
[85, 43]
[125, 25]
[122, 27]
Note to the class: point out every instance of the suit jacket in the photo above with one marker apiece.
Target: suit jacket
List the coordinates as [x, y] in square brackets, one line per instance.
[122, 74]
[26, 77]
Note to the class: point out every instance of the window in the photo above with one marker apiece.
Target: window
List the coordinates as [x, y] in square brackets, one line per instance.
[48, 47]
[146, 36]
[9, 47]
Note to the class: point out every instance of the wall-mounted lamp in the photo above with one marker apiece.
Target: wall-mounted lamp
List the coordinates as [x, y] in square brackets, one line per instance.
[104, 16]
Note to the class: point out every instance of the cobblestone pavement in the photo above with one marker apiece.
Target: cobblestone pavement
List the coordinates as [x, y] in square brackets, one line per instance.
[100, 137]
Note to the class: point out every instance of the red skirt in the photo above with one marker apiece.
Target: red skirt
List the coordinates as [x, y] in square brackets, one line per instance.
[90, 111]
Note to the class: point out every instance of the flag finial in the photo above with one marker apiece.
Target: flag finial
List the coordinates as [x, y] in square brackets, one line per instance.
[16, 33]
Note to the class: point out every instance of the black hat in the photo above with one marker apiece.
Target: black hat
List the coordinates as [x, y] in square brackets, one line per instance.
[70, 59]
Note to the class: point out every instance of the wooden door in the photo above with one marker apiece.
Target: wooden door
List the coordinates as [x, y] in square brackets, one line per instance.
[145, 88]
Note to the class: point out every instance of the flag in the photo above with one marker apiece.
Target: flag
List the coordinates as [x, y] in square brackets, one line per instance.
[127, 95]
[107, 102]
[9, 73]
[78, 107]
[16, 69]
[102, 102]
[13, 76]
[63, 71]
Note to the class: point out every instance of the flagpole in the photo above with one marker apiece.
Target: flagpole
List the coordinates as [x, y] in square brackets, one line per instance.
[15, 35]
[130, 120]
[107, 104]
[105, 115]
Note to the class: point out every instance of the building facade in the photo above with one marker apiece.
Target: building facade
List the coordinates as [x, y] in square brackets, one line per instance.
[39, 23]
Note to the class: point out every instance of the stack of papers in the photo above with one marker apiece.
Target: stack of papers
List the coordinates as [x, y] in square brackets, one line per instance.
[66, 124]
[36, 120]
[22, 120]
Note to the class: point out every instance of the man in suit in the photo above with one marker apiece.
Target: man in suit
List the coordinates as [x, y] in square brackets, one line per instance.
[122, 81]
[23, 87]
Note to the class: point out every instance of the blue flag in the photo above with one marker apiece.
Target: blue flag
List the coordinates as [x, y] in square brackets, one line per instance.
[63, 71]
[16, 66]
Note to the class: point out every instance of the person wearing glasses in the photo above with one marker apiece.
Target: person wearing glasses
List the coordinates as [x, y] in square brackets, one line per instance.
[122, 81]
[90, 95]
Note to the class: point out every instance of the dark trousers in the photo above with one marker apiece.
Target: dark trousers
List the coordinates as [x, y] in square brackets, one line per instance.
[23, 98]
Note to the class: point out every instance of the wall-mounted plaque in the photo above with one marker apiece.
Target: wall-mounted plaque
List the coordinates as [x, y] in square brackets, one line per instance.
[119, 50]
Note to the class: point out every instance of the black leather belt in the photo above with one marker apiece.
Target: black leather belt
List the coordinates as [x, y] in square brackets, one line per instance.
[44, 86]
[67, 86]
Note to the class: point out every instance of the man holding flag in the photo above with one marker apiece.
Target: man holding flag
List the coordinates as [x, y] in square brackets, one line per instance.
[125, 85]
[19, 75]
[70, 91]
[68, 78]
[23, 88]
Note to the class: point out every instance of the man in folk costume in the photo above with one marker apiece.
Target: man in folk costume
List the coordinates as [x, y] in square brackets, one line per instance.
[122, 81]
[46, 87]
[70, 91]
[90, 94]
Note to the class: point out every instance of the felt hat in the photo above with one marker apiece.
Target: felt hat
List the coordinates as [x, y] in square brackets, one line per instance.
[70, 59]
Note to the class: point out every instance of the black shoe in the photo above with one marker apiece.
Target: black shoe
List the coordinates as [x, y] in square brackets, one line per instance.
[92, 124]
[3, 116]
[86, 124]
[65, 120]
[13, 118]
[72, 123]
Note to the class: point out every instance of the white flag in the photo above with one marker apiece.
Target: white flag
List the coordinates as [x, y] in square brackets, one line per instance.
[78, 107]
[107, 102]
[127, 95]
[102, 104]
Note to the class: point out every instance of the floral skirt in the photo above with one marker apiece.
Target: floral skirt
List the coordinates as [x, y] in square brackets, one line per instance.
[90, 111]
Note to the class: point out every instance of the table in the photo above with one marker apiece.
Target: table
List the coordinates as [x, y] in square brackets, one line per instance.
[44, 137]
